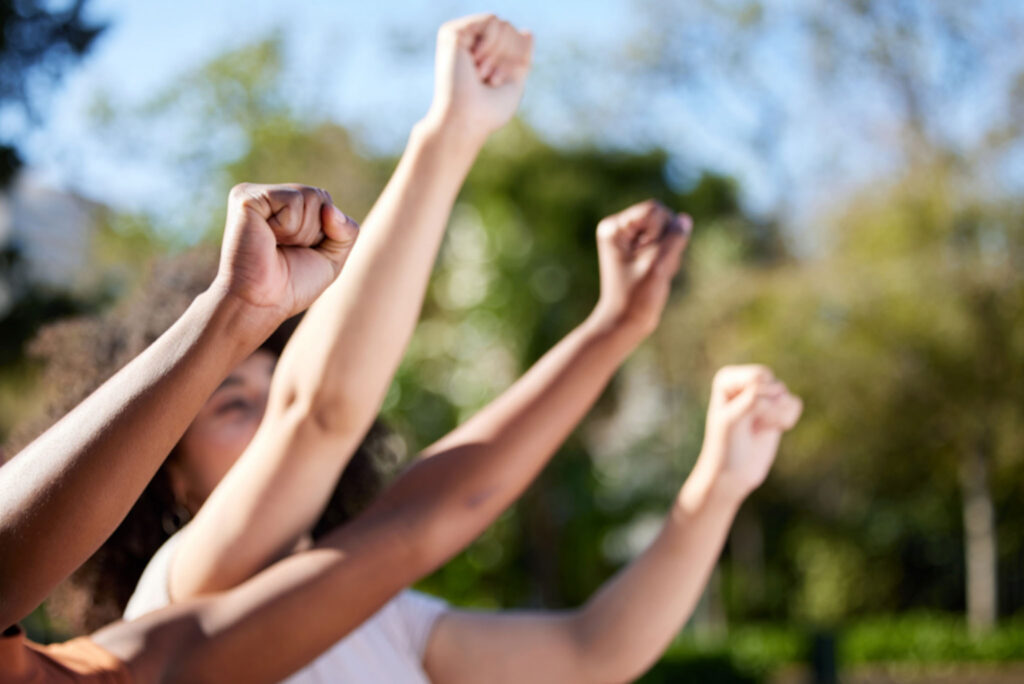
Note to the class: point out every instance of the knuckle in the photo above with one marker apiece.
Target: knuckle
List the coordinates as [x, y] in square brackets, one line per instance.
[311, 194]
[239, 192]
[607, 227]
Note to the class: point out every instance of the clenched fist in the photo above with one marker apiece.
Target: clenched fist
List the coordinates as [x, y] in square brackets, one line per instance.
[639, 251]
[282, 247]
[480, 72]
[749, 411]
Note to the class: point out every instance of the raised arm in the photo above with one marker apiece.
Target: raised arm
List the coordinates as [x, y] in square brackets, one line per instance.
[301, 605]
[623, 629]
[332, 378]
[109, 446]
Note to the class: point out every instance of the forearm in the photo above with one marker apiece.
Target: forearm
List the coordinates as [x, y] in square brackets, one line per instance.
[344, 353]
[470, 476]
[626, 626]
[332, 377]
[107, 449]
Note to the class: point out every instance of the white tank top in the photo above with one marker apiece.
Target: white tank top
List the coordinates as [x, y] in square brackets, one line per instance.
[388, 647]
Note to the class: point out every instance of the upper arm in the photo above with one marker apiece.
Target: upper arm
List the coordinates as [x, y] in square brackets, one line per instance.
[271, 496]
[511, 647]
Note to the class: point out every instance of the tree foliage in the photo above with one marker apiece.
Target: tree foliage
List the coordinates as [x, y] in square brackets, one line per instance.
[37, 42]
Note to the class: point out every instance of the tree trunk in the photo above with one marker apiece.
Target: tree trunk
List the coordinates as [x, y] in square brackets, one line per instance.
[979, 541]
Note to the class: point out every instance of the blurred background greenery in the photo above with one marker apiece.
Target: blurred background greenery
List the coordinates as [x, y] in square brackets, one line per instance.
[882, 278]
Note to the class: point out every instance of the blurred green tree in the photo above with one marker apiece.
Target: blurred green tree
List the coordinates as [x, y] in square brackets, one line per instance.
[38, 42]
[898, 88]
[905, 338]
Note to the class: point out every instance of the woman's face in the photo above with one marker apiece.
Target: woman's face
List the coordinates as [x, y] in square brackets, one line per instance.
[221, 430]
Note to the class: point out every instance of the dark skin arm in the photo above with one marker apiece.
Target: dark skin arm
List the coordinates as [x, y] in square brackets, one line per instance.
[107, 449]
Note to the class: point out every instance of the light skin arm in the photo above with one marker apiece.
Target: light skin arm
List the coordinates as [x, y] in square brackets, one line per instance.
[623, 629]
[440, 504]
[334, 373]
[106, 450]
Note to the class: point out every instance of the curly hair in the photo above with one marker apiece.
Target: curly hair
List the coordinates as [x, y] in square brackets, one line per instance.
[78, 355]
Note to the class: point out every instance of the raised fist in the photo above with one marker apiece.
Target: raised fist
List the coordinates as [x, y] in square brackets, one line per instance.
[283, 245]
[480, 72]
[749, 411]
[639, 250]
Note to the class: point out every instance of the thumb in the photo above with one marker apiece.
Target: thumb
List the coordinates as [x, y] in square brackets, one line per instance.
[340, 233]
[673, 242]
[741, 404]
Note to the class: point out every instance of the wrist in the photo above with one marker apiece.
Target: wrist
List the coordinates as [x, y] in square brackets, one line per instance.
[238, 326]
[614, 319]
[611, 330]
[707, 488]
[450, 134]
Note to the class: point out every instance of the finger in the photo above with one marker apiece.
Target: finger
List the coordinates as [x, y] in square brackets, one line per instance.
[762, 402]
[486, 39]
[499, 77]
[513, 54]
[790, 411]
[653, 223]
[284, 215]
[616, 230]
[647, 221]
[673, 243]
[490, 60]
[464, 30]
[338, 225]
[624, 227]
[644, 221]
[779, 412]
[526, 56]
[519, 69]
[340, 233]
[732, 380]
[684, 223]
[741, 404]
[310, 228]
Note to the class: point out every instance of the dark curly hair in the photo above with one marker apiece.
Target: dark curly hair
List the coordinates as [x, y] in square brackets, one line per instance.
[79, 354]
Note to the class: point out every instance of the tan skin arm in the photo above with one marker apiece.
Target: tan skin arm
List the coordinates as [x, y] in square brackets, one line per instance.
[62, 495]
[300, 606]
[623, 629]
[334, 373]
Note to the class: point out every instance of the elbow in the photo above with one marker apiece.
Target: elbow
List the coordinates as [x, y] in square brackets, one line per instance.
[595, 660]
[335, 412]
[422, 543]
[328, 413]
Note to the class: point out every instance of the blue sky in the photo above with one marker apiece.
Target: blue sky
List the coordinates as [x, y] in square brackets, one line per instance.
[343, 62]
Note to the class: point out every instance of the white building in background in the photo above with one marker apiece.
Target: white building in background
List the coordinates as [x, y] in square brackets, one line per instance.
[52, 230]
